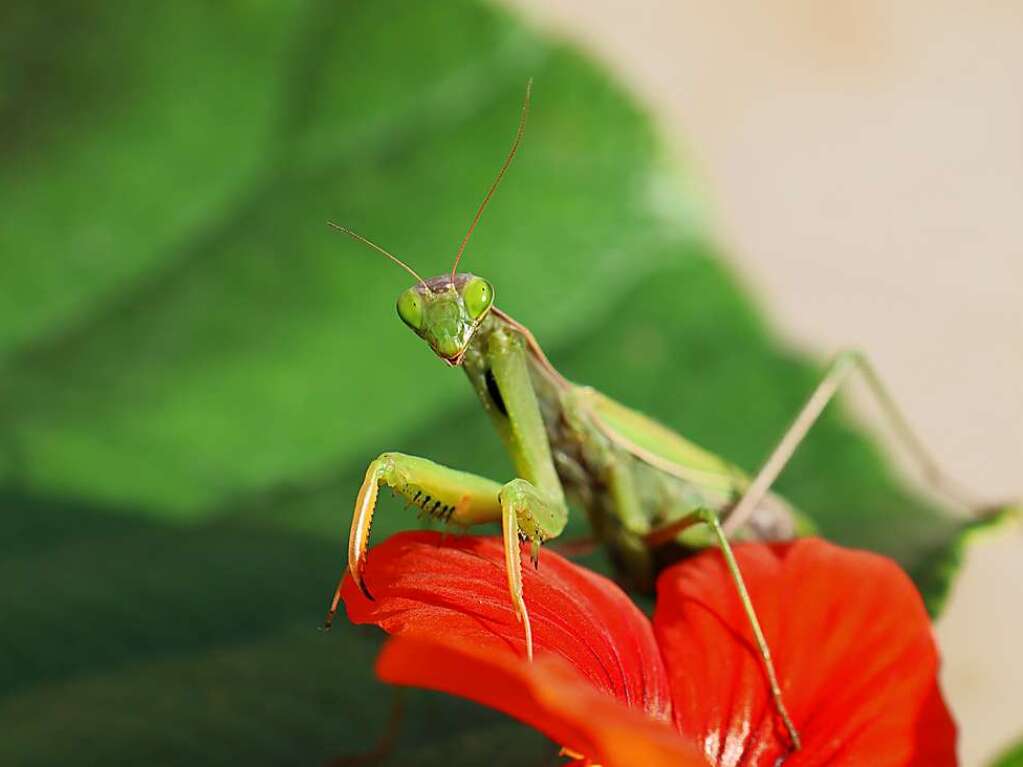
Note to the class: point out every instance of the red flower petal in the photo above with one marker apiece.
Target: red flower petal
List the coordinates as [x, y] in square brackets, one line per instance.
[457, 590]
[547, 694]
[851, 642]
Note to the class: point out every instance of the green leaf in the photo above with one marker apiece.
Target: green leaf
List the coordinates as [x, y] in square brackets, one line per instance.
[241, 325]
[183, 340]
[1013, 757]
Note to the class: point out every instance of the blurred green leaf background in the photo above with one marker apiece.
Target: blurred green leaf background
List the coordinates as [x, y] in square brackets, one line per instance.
[194, 371]
[1013, 757]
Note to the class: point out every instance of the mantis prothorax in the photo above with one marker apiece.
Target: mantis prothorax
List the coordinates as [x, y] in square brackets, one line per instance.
[643, 486]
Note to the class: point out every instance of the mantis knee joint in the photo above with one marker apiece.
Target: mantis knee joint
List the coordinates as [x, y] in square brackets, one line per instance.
[708, 517]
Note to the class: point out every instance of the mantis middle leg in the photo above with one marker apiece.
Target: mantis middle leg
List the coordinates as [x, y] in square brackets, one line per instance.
[710, 518]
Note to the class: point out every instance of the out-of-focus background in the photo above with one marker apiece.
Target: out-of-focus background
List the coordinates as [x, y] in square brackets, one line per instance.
[711, 199]
[864, 163]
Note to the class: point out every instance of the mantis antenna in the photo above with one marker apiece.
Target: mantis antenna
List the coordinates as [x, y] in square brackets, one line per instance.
[378, 249]
[500, 175]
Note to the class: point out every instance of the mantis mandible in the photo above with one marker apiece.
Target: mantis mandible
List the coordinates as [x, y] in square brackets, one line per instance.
[644, 487]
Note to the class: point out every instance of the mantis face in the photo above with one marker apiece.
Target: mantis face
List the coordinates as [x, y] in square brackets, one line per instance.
[445, 312]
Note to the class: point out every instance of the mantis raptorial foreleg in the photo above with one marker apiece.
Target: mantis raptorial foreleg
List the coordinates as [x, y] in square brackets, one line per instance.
[531, 507]
[447, 494]
[459, 498]
[522, 509]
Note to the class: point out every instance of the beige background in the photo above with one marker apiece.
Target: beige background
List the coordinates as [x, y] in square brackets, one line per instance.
[865, 167]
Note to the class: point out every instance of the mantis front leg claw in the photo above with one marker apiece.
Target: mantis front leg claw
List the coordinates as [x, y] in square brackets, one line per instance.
[524, 512]
[358, 537]
[513, 568]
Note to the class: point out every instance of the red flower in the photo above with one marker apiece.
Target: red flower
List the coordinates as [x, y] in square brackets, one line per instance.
[850, 637]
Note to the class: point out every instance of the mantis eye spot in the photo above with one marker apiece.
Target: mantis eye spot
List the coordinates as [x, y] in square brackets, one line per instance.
[410, 309]
[478, 295]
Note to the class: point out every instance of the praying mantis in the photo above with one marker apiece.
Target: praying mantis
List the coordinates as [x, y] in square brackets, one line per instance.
[646, 489]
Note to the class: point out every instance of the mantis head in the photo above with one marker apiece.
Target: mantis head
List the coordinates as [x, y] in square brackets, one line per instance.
[445, 312]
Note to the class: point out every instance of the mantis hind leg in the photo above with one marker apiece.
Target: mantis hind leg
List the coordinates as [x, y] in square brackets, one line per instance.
[837, 373]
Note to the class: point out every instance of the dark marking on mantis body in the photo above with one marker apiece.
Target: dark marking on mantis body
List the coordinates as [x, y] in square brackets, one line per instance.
[495, 393]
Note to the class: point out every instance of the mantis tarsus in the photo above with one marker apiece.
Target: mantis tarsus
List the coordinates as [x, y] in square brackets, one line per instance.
[644, 487]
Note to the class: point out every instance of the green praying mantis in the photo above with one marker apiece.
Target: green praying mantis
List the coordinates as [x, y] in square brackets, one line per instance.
[648, 491]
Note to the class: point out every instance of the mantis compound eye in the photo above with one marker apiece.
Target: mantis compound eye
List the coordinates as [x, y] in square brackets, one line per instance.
[410, 309]
[477, 295]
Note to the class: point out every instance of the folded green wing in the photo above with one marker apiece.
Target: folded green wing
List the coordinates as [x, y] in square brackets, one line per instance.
[655, 443]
